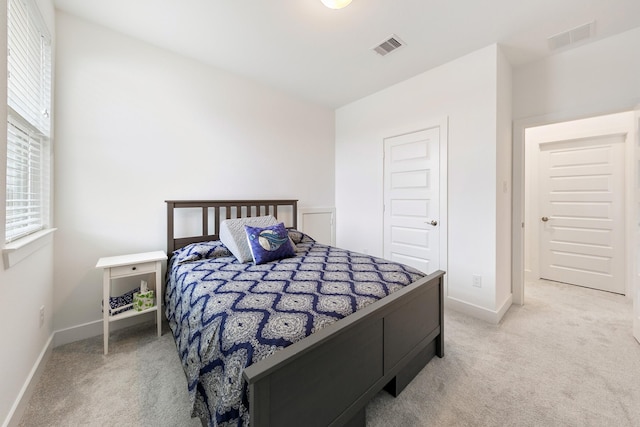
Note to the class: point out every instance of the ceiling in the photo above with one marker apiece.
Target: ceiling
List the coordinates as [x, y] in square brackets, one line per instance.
[325, 56]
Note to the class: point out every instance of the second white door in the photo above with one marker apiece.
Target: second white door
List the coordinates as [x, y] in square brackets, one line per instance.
[582, 212]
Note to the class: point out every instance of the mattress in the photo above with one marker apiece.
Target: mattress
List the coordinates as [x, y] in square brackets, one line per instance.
[226, 315]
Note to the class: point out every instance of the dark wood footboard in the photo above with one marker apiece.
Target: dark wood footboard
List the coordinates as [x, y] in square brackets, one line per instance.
[328, 378]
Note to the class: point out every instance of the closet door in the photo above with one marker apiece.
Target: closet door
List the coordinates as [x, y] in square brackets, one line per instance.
[412, 199]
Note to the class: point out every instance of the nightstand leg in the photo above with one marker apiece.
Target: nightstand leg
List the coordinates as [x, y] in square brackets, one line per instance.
[106, 285]
[159, 297]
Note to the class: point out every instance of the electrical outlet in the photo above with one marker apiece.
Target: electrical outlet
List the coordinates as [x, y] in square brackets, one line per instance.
[41, 316]
[476, 281]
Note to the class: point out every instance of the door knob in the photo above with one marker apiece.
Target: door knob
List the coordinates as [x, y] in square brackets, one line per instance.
[433, 222]
[545, 219]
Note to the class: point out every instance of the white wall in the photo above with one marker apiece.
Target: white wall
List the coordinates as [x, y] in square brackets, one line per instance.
[24, 287]
[596, 78]
[465, 91]
[138, 125]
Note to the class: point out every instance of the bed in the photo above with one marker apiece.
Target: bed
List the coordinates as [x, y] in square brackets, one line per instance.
[380, 338]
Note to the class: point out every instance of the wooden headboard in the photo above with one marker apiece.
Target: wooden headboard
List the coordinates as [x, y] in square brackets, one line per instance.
[221, 210]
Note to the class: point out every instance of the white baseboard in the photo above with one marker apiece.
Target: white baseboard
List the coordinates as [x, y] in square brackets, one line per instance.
[478, 312]
[77, 333]
[506, 305]
[92, 329]
[19, 406]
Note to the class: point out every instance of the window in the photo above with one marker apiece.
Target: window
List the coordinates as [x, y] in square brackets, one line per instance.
[29, 122]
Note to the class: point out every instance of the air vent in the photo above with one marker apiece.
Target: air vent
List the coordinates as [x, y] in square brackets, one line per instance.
[389, 45]
[572, 36]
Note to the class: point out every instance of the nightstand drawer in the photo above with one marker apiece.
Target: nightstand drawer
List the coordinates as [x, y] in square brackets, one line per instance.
[132, 269]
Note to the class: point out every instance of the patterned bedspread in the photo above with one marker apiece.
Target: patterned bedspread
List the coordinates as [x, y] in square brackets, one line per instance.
[226, 315]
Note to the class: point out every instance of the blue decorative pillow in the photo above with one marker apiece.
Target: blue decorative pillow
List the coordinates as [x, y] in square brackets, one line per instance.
[201, 250]
[295, 235]
[233, 235]
[269, 243]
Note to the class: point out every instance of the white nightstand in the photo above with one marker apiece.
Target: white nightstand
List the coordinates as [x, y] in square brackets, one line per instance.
[116, 267]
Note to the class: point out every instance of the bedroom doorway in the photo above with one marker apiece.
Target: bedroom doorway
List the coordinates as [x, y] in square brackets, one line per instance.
[414, 210]
[581, 193]
[580, 203]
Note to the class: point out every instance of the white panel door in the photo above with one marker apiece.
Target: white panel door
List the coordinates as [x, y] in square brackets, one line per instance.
[411, 199]
[582, 212]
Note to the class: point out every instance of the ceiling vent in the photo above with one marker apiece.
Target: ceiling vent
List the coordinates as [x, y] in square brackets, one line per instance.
[572, 36]
[392, 43]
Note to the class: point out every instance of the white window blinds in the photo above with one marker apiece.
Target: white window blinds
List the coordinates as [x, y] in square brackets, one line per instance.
[29, 101]
[25, 180]
[29, 63]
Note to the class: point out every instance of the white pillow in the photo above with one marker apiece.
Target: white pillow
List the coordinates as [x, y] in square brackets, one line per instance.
[233, 236]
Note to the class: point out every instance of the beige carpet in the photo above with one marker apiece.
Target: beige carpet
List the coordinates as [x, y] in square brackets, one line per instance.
[566, 358]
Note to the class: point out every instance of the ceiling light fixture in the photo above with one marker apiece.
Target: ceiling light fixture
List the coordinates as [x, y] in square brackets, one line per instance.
[336, 4]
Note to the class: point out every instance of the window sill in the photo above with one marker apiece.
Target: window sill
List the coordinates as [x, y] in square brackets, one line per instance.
[15, 252]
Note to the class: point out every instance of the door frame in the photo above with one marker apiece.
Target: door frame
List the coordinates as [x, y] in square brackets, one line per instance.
[635, 280]
[443, 124]
[518, 214]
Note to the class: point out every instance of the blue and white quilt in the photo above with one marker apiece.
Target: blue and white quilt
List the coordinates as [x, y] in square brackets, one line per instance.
[226, 315]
